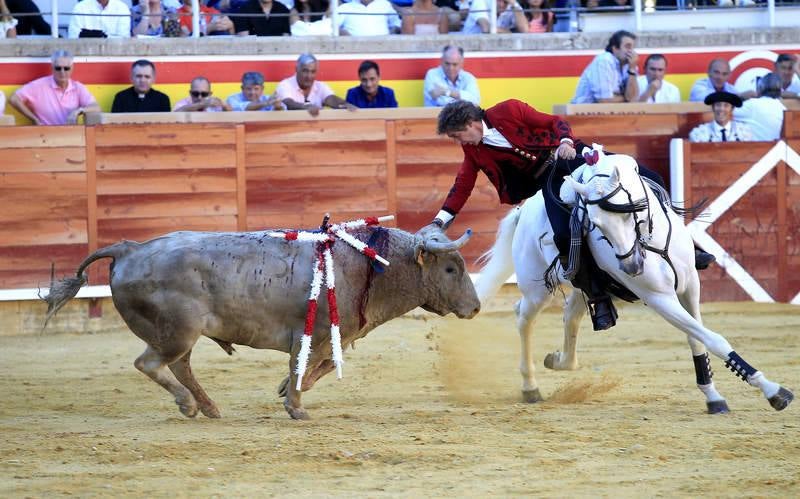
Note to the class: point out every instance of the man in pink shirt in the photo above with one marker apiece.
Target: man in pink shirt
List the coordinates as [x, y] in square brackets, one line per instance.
[303, 91]
[56, 99]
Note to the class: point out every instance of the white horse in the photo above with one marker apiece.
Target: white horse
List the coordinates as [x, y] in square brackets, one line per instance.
[623, 222]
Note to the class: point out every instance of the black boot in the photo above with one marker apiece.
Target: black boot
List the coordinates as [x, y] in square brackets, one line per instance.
[603, 313]
[702, 259]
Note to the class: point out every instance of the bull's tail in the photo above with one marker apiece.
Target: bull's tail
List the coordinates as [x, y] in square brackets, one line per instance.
[64, 290]
[498, 264]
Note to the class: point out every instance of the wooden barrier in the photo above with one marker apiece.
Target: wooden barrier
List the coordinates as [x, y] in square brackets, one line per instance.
[70, 190]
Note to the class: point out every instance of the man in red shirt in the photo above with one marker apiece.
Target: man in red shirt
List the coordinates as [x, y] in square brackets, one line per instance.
[516, 146]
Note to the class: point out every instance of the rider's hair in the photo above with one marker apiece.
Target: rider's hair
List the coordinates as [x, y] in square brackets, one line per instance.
[457, 115]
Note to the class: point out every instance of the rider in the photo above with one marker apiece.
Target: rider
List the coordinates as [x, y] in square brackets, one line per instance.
[517, 147]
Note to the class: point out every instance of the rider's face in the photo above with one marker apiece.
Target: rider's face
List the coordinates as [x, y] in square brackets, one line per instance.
[472, 134]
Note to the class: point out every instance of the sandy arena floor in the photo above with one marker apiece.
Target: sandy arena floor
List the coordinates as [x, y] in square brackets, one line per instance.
[427, 407]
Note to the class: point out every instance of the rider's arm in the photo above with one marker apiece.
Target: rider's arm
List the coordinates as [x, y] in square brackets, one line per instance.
[461, 190]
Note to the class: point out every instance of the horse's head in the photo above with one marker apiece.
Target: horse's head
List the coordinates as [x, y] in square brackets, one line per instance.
[614, 198]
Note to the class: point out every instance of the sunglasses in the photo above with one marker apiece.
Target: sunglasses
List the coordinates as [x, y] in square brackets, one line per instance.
[62, 68]
[195, 93]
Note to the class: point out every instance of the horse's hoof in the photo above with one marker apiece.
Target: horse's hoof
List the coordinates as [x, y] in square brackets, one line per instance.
[532, 396]
[188, 410]
[718, 407]
[548, 360]
[781, 400]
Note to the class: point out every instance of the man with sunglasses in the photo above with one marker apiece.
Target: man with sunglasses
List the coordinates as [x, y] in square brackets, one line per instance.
[200, 98]
[56, 99]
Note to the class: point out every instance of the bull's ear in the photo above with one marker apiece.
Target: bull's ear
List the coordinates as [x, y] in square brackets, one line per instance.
[419, 254]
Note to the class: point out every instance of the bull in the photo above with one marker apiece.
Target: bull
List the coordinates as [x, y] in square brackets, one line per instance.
[252, 289]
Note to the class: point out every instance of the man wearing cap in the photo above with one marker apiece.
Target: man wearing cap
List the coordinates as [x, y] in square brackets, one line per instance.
[764, 114]
[724, 128]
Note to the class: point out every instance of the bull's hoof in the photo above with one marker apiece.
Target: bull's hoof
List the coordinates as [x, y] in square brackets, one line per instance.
[283, 388]
[210, 411]
[781, 400]
[532, 396]
[548, 361]
[718, 407]
[297, 413]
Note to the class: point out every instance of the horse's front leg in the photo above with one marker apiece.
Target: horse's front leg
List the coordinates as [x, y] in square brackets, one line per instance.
[567, 359]
[715, 403]
[527, 309]
[670, 308]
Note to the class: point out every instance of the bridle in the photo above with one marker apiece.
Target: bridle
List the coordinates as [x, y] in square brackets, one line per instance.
[632, 207]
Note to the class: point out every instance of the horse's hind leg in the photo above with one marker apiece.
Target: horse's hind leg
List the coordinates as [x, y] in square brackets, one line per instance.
[670, 308]
[574, 311]
[527, 310]
[154, 365]
[182, 370]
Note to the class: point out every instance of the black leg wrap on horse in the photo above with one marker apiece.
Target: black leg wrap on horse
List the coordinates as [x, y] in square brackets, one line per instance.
[702, 369]
[739, 367]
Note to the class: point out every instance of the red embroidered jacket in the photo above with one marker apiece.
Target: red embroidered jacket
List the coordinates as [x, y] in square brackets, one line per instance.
[532, 135]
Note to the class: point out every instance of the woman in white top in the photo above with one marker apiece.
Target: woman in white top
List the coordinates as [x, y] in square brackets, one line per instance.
[424, 18]
[8, 25]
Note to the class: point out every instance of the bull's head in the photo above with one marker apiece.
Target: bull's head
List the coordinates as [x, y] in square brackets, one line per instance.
[446, 282]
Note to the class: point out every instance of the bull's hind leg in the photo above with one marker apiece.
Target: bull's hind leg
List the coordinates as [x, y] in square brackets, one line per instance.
[154, 365]
[182, 370]
[668, 307]
[715, 403]
[292, 402]
[533, 301]
[574, 311]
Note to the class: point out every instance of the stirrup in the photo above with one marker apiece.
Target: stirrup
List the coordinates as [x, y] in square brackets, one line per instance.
[603, 313]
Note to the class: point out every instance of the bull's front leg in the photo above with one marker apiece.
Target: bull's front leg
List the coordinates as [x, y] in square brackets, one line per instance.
[292, 401]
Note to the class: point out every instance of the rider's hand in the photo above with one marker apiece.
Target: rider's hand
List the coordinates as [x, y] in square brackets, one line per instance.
[565, 151]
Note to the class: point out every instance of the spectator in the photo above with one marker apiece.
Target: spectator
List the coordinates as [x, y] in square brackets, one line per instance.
[510, 17]
[787, 69]
[56, 99]
[724, 128]
[652, 85]
[540, 19]
[265, 18]
[611, 76]
[370, 93]
[201, 98]
[8, 25]
[149, 18]
[310, 11]
[764, 114]
[141, 97]
[424, 18]
[252, 97]
[477, 20]
[368, 18]
[449, 81]
[303, 91]
[718, 73]
[212, 22]
[100, 19]
[28, 24]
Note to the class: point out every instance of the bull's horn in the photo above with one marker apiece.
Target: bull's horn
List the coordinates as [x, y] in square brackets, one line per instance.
[438, 247]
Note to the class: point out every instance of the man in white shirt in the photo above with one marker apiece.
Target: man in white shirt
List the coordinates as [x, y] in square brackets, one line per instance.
[652, 85]
[368, 18]
[449, 81]
[477, 20]
[717, 81]
[112, 17]
[724, 128]
[787, 66]
[764, 114]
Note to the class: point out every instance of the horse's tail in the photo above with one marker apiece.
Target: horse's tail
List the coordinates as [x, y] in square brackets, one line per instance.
[497, 263]
[64, 290]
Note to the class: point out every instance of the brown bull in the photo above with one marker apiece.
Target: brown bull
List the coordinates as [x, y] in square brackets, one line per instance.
[252, 289]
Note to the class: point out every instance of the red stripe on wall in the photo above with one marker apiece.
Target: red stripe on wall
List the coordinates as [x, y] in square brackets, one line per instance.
[529, 66]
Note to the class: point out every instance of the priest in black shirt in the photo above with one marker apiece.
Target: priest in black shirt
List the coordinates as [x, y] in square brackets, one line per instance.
[141, 97]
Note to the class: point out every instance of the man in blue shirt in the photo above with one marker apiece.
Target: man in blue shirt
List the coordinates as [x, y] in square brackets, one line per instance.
[449, 82]
[370, 93]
